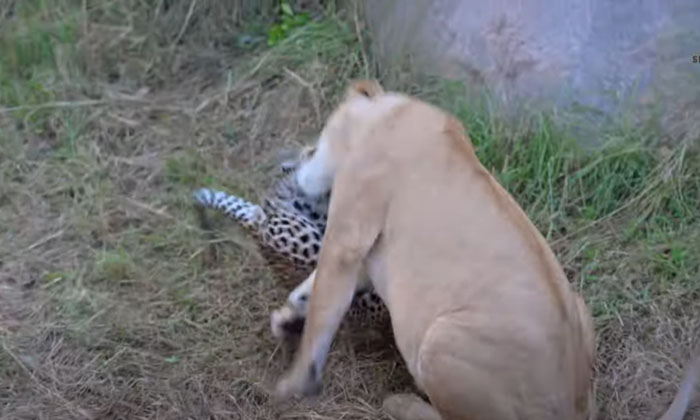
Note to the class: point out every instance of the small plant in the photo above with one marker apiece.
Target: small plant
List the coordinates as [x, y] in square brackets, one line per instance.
[288, 22]
[115, 266]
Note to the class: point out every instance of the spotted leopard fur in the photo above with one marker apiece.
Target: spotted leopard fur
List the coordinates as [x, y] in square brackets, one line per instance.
[288, 231]
[288, 228]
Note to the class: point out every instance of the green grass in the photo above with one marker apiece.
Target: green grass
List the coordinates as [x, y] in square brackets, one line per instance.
[551, 175]
[38, 56]
[115, 266]
[114, 299]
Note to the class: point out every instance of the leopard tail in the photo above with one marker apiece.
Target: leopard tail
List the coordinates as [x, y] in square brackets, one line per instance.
[249, 215]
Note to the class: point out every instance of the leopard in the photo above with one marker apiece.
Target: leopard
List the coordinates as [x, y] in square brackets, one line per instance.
[287, 227]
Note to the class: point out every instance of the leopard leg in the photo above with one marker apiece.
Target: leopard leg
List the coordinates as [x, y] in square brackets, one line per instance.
[366, 309]
[289, 320]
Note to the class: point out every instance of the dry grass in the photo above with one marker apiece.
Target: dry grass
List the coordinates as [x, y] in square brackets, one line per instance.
[114, 304]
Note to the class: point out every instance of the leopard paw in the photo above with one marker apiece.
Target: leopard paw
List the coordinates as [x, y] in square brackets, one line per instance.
[286, 323]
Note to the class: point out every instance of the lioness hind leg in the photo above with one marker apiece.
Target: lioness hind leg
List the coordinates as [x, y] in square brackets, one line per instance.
[409, 407]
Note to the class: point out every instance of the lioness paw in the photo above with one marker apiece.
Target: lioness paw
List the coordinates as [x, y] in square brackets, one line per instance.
[298, 384]
[409, 407]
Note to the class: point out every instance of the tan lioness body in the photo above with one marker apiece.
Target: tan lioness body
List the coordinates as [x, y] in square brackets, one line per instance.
[482, 313]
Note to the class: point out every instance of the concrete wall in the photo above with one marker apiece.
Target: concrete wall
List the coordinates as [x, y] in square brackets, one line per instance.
[599, 57]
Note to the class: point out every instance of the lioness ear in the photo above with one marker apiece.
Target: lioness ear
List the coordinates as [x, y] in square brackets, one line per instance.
[363, 87]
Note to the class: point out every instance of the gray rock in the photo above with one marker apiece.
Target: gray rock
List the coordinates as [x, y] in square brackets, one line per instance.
[595, 58]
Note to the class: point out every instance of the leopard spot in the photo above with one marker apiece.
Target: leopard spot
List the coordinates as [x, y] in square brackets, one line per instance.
[304, 238]
[316, 248]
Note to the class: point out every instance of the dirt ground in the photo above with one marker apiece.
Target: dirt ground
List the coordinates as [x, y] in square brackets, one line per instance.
[115, 304]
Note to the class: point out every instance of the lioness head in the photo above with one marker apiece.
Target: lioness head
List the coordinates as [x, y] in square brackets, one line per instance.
[302, 155]
[315, 175]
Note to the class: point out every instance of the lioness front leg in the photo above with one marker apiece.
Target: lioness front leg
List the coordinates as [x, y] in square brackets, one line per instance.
[332, 294]
[353, 226]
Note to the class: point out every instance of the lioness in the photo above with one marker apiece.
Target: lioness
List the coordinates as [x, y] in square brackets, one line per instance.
[482, 313]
